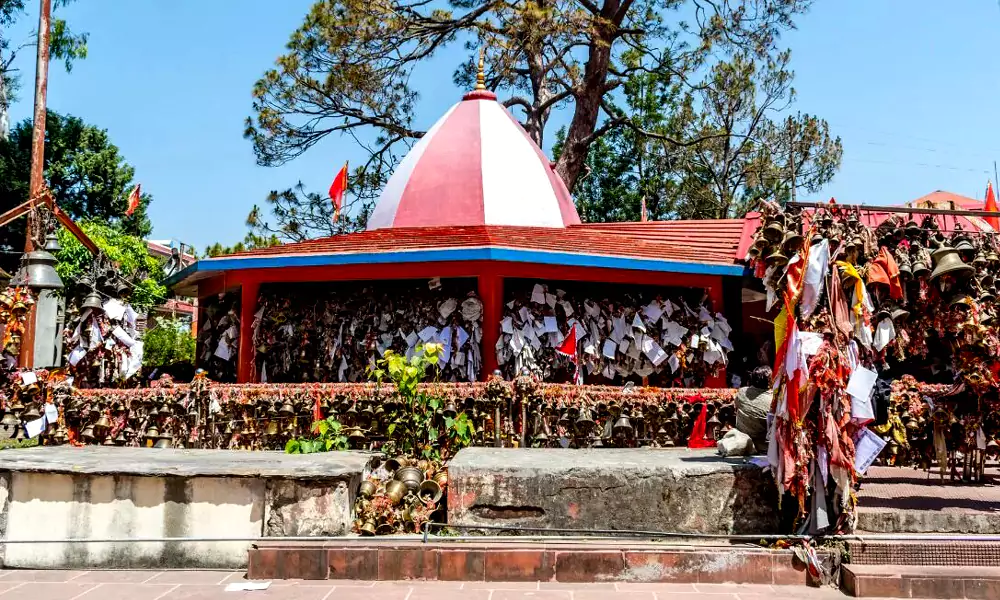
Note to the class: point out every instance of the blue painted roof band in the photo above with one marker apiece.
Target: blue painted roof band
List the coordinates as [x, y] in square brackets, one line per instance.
[454, 254]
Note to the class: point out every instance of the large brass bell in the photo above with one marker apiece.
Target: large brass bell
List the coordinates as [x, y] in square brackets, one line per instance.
[792, 242]
[165, 441]
[411, 477]
[286, 410]
[584, 422]
[962, 244]
[39, 272]
[622, 427]
[948, 262]
[31, 414]
[395, 490]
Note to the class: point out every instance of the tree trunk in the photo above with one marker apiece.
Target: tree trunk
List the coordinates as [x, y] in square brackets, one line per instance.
[588, 107]
[4, 114]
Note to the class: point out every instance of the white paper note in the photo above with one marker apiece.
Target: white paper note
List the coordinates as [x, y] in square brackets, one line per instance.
[656, 354]
[653, 311]
[638, 324]
[248, 586]
[861, 383]
[674, 363]
[567, 308]
[550, 299]
[609, 348]
[538, 294]
[114, 309]
[222, 350]
[463, 337]
[35, 427]
[810, 342]
[427, 334]
[123, 337]
[28, 377]
[549, 325]
[867, 447]
[507, 325]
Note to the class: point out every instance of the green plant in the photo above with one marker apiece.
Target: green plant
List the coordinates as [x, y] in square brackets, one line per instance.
[128, 252]
[329, 436]
[168, 343]
[416, 430]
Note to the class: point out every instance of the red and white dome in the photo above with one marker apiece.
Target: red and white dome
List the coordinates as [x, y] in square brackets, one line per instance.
[475, 166]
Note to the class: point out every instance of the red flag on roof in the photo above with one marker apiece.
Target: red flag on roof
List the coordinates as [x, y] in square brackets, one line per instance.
[133, 199]
[337, 189]
[991, 205]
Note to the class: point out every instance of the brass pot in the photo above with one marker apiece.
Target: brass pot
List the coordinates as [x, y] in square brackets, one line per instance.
[395, 490]
[411, 477]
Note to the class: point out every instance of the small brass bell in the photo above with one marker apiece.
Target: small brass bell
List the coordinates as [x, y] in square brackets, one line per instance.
[776, 258]
[993, 257]
[912, 229]
[623, 427]
[450, 410]
[584, 421]
[31, 414]
[286, 410]
[165, 441]
[429, 491]
[774, 231]
[368, 528]
[792, 242]
[102, 424]
[272, 428]
[87, 435]
[9, 420]
[980, 260]
[152, 432]
[920, 268]
[92, 302]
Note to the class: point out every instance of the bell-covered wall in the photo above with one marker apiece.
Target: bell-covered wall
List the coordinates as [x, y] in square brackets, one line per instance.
[335, 331]
[218, 346]
[644, 334]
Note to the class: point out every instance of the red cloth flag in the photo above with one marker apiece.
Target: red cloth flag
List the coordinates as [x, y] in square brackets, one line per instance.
[697, 438]
[337, 189]
[991, 205]
[133, 200]
[317, 411]
[568, 348]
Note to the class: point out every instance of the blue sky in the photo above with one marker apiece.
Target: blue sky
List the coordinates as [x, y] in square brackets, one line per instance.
[910, 87]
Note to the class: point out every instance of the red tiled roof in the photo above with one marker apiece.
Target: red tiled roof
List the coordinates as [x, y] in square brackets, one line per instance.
[706, 242]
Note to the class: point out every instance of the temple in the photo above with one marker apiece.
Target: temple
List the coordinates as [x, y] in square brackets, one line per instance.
[475, 206]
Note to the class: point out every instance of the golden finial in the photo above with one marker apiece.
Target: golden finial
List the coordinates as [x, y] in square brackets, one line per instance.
[481, 76]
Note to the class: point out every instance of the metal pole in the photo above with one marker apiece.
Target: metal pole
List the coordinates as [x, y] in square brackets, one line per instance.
[37, 182]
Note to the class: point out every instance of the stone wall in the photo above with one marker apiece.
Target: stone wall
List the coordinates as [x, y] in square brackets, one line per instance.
[120, 493]
[684, 491]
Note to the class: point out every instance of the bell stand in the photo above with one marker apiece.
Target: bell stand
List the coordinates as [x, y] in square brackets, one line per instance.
[44, 199]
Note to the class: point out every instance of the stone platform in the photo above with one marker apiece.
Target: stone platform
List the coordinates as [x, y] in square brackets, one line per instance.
[53, 493]
[905, 500]
[663, 490]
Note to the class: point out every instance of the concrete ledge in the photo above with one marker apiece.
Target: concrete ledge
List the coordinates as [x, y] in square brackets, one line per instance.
[668, 490]
[110, 493]
[579, 562]
[927, 521]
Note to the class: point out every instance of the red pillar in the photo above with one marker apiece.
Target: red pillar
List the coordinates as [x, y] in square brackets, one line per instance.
[248, 306]
[491, 293]
[715, 298]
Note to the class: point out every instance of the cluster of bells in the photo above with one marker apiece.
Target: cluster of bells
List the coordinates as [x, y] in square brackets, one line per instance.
[926, 253]
[617, 425]
[913, 444]
[400, 495]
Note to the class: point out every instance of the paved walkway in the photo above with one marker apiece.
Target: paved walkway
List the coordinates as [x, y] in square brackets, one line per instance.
[210, 585]
[890, 489]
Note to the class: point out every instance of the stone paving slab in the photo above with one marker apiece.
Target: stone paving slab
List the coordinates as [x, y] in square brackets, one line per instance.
[210, 585]
[165, 462]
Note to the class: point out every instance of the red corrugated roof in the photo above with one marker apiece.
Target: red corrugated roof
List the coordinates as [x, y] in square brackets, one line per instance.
[707, 242]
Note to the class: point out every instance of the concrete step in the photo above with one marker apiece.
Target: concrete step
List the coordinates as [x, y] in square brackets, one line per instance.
[502, 560]
[919, 553]
[908, 581]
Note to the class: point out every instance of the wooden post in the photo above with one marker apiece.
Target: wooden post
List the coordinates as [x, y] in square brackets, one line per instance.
[248, 306]
[491, 294]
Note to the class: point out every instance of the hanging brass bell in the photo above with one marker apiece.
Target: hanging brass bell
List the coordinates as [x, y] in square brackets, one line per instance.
[993, 257]
[962, 244]
[774, 231]
[761, 242]
[272, 428]
[792, 242]
[39, 271]
[286, 410]
[450, 410]
[776, 258]
[31, 414]
[980, 260]
[9, 421]
[87, 435]
[93, 302]
[948, 262]
[152, 432]
[898, 313]
[102, 424]
[165, 441]
[912, 229]
[584, 422]
[622, 427]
